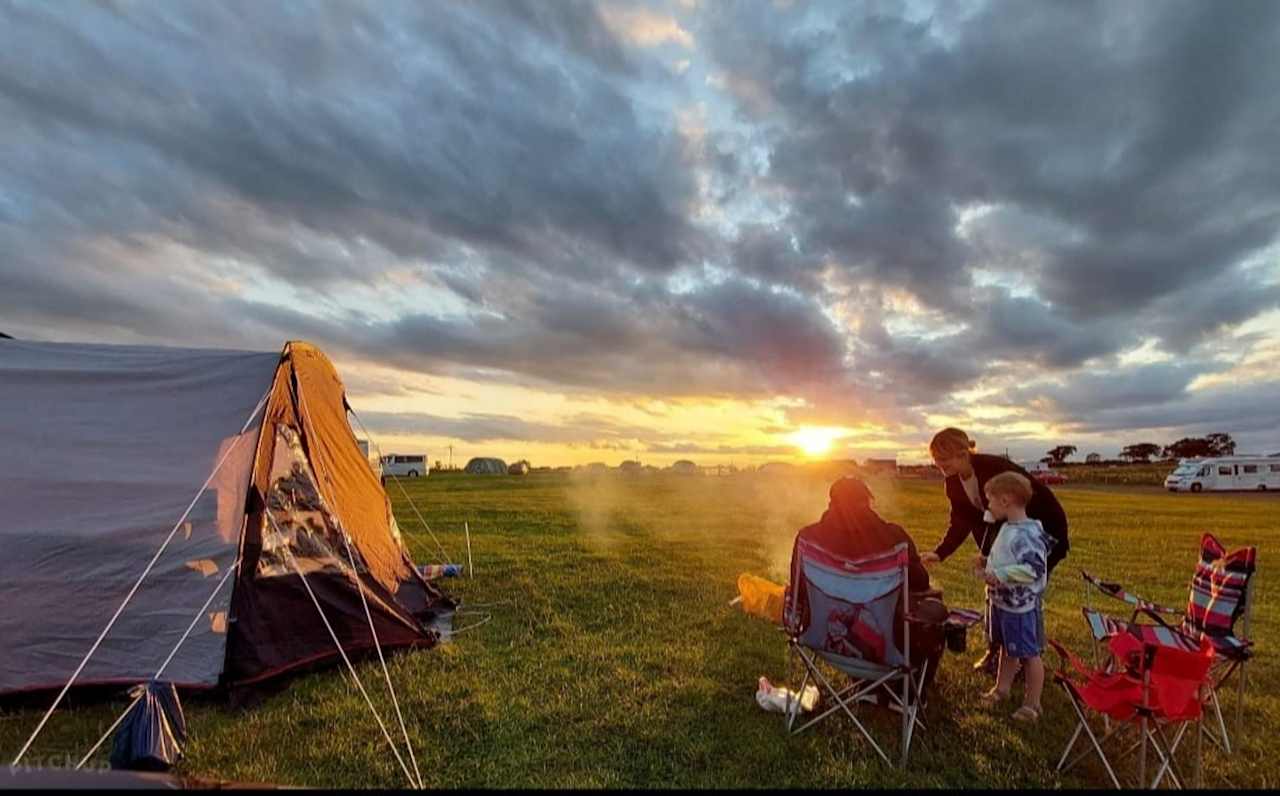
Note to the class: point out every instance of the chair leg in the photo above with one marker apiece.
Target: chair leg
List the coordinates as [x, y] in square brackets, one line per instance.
[1200, 753]
[861, 728]
[786, 715]
[1166, 753]
[842, 703]
[1223, 739]
[1240, 686]
[1074, 736]
[1142, 751]
[1093, 739]
[911, 713]
[906, 720]
[1114, 732]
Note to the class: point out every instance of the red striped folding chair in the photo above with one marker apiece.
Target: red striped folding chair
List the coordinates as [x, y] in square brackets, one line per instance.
[1148, 690]
[1221, 595]
[841, 613]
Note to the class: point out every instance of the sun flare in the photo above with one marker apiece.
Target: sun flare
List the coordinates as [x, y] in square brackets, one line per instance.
[815, 440]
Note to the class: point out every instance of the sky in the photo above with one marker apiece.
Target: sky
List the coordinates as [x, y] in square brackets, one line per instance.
[731, 232]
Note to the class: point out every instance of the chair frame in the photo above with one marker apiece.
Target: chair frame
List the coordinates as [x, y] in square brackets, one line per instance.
[902, 681]
[1150, 731]
[1223, 668]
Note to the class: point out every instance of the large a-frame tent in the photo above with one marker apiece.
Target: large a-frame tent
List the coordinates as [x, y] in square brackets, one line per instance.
[231, 480]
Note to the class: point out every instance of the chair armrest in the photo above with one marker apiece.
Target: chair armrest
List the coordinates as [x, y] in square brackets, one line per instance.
[1117, 592]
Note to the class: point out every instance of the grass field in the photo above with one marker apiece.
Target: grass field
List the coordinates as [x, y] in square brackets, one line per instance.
[613, 658]
[1128, 474]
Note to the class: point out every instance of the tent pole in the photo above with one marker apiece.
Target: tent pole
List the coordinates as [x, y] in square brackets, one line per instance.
[466, 527]
[111, 623]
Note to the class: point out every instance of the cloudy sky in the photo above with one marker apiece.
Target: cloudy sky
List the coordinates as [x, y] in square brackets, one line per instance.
[725, 231]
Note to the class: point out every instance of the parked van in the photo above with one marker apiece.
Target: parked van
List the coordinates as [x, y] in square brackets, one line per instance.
[406, 466]
[1223, 473]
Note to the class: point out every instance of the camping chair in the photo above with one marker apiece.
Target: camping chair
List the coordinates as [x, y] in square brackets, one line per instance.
[1153, 689]
[1221, 593]
[843, 612]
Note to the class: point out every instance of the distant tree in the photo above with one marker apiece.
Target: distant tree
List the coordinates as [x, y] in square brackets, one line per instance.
[438, 466]
[1093, 458]
[1211, 445]
[1189, 448]
[1059, 454]
[1223, 444]
[1141, 452]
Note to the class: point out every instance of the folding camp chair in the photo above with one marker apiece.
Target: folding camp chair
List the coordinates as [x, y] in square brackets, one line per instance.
[1221, 593]
[842, 612]
[1150, 689]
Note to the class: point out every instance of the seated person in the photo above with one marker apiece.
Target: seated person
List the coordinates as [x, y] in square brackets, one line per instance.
[850, 528]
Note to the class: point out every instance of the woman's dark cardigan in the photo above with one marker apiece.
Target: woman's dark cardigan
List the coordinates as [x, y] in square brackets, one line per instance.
[967, 520]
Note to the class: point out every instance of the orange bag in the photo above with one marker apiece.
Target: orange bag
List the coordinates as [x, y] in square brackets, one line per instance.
[761, 597]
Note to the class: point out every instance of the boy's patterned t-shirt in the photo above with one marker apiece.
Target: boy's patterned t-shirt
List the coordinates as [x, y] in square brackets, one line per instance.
[1018, 560]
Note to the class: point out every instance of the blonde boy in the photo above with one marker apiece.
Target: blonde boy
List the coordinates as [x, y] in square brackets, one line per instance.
[1015, 573]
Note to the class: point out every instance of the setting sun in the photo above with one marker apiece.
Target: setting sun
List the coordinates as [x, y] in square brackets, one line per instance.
[814, 440]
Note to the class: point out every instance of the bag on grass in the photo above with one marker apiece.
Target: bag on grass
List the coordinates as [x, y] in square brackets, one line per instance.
[152, 735]
[774, 698]
[760, 597]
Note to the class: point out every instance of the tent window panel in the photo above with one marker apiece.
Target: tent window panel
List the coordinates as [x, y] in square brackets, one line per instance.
[306, 527]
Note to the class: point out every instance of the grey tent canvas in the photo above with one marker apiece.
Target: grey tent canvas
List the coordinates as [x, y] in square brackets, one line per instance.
[108, 446]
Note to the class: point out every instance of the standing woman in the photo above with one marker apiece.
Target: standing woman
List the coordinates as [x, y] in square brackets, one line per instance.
[967, 473]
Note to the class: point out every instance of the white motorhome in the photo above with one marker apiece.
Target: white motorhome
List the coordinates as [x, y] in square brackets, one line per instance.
[405, 466]
[1222, 473]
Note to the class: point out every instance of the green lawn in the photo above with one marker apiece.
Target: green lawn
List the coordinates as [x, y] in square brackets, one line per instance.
[613, 658]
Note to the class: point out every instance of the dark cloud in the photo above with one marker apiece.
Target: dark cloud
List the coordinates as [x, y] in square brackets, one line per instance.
[1137, 130]
[1246, 412]
[1143, 387]
[729, 339]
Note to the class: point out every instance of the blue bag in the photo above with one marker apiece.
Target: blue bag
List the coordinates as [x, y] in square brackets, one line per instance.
[152, 735]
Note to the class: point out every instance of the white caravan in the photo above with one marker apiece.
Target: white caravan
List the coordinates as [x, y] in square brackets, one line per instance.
[1221, 473]
[403, 466]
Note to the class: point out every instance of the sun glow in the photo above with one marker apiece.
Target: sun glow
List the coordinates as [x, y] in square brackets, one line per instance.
[815, 440]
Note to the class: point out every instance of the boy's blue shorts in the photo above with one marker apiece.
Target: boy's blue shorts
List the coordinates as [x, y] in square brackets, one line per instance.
[1019, 635]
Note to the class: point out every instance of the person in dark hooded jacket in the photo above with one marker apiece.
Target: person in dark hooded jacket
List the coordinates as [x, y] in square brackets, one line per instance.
[850, 528]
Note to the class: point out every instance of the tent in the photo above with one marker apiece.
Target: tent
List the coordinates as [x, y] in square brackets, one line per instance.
[685, 467]
[207, 464]
[483, 466]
